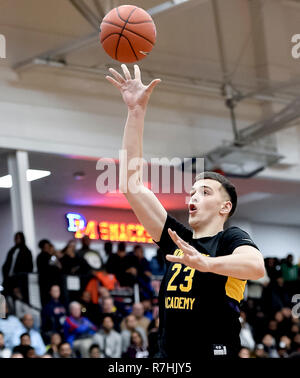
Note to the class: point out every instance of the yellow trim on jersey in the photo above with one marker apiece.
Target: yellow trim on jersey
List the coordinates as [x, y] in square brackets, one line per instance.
[235, 288]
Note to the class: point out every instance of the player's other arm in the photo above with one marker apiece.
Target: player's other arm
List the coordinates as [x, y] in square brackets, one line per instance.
[245, 262]
[144, 203]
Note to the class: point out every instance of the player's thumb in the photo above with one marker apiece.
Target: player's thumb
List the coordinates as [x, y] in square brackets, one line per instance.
[152, 85]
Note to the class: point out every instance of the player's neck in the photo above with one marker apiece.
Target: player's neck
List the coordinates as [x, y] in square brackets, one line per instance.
[205, 230]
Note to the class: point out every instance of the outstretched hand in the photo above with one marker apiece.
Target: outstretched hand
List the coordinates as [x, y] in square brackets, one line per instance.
[134, 92]
[191, 257]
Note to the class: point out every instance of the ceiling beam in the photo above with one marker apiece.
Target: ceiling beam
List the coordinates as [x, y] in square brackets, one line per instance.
[92, 38]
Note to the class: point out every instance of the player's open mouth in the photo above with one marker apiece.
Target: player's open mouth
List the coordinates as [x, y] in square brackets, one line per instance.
[192, 208]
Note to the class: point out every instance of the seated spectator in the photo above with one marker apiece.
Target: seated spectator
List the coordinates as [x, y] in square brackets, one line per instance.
[295, 346]
[65, 350]
[148, 309]
[9, 326]
[290, 274]
[108, 339]
[101, 278]
[25, 342]
[4, 351]
[244, 353]
[36, 339]
[78, 330]
[18, 260]
[137, 348]
[157, 264]
[142, 320]
[282, 350]
[130, 326]
[55, 341]
[269, 344]
[89, 309]
[109, 308]
[94, 351]
[53, 313]
[71, 262]
[259, 352]
[49, 269]
[21, 308]
[28, 352]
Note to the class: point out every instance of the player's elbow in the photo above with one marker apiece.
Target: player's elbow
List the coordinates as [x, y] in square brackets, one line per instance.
[258, 270]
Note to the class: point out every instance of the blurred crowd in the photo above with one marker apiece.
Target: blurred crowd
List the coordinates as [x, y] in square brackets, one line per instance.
[97, 322]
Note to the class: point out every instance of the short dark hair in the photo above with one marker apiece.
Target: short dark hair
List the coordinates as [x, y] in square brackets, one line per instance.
[24, 334]
[43, 242]
[94, 346]
[226, 184]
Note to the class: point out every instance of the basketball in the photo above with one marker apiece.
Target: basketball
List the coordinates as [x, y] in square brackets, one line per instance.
[127, 33]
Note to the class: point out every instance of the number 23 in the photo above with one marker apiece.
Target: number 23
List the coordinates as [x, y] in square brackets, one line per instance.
[189, 278]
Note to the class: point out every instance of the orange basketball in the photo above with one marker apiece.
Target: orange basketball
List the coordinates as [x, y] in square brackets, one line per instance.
[127, 33]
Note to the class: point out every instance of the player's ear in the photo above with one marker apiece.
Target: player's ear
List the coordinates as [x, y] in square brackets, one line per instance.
[226, 208]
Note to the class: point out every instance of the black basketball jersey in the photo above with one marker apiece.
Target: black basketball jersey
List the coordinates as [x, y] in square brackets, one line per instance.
[199, 312]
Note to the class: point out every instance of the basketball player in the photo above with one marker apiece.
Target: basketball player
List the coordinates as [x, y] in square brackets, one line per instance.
[207, 266]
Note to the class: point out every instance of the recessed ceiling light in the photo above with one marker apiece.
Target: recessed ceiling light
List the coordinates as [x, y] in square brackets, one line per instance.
[6, 181]
[36, 174]
[31, 175]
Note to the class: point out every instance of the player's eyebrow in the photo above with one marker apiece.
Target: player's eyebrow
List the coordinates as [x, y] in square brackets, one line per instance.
[202, 186]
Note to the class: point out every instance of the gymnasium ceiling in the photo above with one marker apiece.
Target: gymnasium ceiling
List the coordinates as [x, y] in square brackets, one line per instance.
[187, 51]
[198, 41]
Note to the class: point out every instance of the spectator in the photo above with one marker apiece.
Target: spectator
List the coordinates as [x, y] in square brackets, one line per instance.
[18, 260]
[138, 311]
[137, 348]
[4, 351]
[9, 326]
[108, 339]
[296, 343]
[130, 326]
[21, 308]
[157, 264]
[94, 351]
[27, 351]
[244, 353]
[103, 278]
[290, 274]
[116, 265]
[259, 351]
[282, 350]
[65, 350]
[89, 309]
[49, 269]
[25, 342]
[91, 256]
[148, 310]
[269, 344]
[138, 267]
[71, 262]
[108, 251]
[78, 330]
[36, 340]
[109, 308]
[273, 268]
[52, 348]
[53, 313]
[246, 336]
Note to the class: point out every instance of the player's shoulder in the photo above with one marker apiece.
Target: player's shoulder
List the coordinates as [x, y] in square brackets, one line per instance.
[235, 232]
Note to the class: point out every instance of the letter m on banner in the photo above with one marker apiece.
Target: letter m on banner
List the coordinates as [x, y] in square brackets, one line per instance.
[2, 47]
